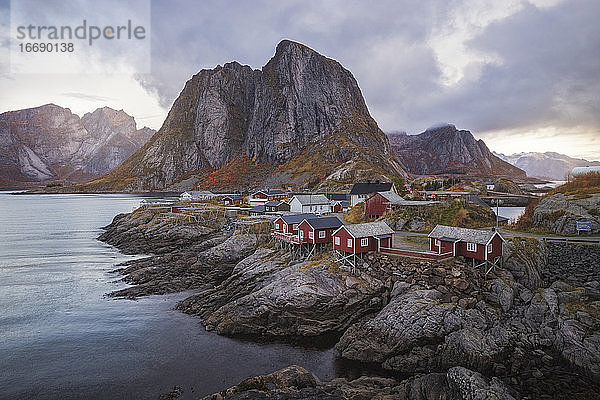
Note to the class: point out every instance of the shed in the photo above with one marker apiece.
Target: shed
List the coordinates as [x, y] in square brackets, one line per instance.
[257, 210]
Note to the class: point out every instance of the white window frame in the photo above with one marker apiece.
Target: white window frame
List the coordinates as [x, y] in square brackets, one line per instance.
[490, 247]
[437, 242]
[472, 247]
[311, 235]
[364, 242]
[336, 240]
[294, 227]
[301, 234]
[349, 242]
[322, 234]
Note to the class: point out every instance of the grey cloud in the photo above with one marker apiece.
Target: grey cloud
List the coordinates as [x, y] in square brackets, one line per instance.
[548, 73]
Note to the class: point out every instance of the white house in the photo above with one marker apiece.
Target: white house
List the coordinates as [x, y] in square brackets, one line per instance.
[310, 203]
[197, 195]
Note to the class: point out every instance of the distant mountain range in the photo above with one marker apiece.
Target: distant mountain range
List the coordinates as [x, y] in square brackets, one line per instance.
[443, 149]
[549, 165]
[299, 121]
[50, 144]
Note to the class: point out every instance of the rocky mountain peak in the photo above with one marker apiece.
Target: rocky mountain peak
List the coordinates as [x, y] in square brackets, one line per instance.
[445, 149]
[299, 100]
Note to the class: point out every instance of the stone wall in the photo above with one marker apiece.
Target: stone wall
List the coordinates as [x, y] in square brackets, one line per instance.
[572, 263]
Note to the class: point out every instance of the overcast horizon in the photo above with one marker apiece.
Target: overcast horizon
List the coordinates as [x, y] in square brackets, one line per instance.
[521, 75]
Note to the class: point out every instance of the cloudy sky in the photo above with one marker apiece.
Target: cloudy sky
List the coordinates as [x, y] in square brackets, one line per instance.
[522, 75]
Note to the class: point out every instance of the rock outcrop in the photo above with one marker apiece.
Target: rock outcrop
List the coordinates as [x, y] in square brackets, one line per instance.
[447, 150]
[265, 297]
[295, 382]
[186, 256]
[302, 114]
[560, 212]
[51, 144]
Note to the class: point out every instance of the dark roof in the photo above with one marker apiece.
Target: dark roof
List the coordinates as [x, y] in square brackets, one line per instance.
[259, 208]
[324, 222]
[343, 203]
[367, 187]
[336, 196]
[233, 197]
[296, 218]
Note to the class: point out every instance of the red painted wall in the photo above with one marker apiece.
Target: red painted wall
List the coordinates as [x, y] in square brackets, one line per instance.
[344, 236]
[446, 247]
[356, 246]
[376, 205]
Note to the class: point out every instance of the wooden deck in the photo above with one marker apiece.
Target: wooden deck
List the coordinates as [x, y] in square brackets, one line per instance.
[429, 255]
[286, 237]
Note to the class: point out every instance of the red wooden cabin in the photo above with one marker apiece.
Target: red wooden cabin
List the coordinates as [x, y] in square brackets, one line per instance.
[362, 238]
[318, 230]
[232, 200]
[483, 245]
[288, 224]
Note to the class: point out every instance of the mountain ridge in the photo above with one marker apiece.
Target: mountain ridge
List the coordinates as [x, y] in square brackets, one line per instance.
[547, 165]
[49, 143]
[444, 149]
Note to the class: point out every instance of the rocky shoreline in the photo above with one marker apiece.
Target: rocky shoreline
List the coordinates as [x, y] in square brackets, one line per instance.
[527, 330]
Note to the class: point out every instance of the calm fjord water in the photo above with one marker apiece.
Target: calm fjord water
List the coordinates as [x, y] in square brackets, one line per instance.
[61, 338]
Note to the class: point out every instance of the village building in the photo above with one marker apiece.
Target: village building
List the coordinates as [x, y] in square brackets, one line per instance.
[340, 206]
[257, 210]
[287, 225]
[275, 206]
[310, 203]
[336, 196]
[382, 202]
[318, 230]
[263, 196]
[197, 195]
[481, 245]
[361, 191]
[233, 200]
[444, 195]
[352, 241]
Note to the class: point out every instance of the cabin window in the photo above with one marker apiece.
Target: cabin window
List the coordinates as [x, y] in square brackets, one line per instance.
[295, 226]
[472, 247]
[301, 234]
[349, 242]
[437, 242]
[311, 235]
[321, 234]
[336, 240]
[490, 248]
[364, 242]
